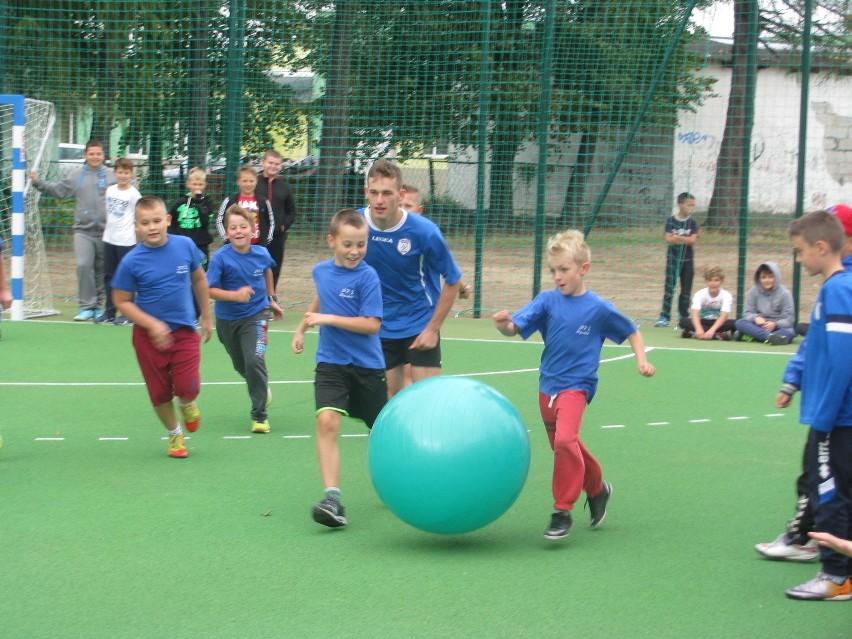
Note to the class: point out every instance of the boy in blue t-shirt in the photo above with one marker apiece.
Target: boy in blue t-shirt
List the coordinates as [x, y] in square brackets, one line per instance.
[826, 402]
[154, 288]
[350, 373]
[573, 323]
[240, 279]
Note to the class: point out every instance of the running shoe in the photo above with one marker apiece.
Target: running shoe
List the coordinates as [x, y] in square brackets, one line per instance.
[560, 524]
[597, 504]
[329, 512]
[176, 446]
[782, 549]
[822, 588]
[85, 315]
[191, 416]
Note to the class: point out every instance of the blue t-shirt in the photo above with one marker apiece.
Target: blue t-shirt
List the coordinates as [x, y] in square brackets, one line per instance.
[230, 270]
[349, 292]
[161, 279]
[827, 371]
[407, 257]
[573, 329]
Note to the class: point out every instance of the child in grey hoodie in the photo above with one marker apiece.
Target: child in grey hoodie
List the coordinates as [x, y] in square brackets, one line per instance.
[769, 314]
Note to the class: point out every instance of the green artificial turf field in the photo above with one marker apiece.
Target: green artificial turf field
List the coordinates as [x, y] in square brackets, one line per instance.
[103, 535]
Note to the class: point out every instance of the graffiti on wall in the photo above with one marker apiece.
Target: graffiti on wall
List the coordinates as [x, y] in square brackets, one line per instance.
[836, 140]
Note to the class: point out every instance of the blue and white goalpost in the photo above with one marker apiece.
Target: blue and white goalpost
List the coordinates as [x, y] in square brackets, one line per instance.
[18, 210]
[30, 123]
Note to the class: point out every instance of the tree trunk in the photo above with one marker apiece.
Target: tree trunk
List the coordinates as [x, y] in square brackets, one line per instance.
[576, 191]
[335, 118]
[506, 134]
[109, 70]
[199, 82]
[724, 213]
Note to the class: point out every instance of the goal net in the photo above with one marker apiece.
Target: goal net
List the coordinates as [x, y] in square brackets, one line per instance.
[29, 272]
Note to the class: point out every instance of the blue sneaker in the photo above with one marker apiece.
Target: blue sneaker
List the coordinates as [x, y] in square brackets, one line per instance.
[663, 321]
[85, 315]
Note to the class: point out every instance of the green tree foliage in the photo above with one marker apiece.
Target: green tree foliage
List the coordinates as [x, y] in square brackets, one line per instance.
[157, 69]
[413, 75]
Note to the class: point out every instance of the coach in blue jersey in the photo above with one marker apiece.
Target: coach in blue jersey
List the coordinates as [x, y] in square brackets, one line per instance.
[406, 250]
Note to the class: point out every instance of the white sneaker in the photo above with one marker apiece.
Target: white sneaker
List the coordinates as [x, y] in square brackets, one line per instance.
[780, 549]
[822, 588]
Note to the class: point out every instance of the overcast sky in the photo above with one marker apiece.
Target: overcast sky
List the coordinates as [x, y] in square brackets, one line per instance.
[718, 20]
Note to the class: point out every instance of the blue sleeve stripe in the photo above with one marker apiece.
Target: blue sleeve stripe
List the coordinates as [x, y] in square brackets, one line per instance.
[843, 319]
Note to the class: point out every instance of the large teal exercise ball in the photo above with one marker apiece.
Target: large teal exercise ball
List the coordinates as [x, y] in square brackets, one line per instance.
[449, 455]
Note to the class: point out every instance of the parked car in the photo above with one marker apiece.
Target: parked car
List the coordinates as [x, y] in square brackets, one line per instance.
[69, 156]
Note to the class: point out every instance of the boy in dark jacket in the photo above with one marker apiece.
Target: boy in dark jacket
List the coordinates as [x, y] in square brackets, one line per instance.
[192, 212]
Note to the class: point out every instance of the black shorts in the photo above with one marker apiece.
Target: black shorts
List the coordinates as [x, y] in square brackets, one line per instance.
[354, 391]
[398, 352]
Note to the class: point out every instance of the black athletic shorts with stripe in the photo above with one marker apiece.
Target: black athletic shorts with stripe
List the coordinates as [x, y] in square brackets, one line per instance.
[352, 390]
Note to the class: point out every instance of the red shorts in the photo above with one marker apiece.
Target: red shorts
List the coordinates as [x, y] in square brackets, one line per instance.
[172, 372]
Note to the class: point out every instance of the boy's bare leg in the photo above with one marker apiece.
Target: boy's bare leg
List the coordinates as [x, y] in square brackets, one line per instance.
[396, 379]
[328, 452]
[168, 416]
[422, 372]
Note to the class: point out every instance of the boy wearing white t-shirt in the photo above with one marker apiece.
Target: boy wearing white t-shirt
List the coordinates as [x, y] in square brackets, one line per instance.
[119, 232]
[710, 309]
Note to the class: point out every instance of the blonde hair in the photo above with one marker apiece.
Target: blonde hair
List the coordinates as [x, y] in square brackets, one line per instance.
[714, 271]
[248, 169]
[196, 172]
[571, 242]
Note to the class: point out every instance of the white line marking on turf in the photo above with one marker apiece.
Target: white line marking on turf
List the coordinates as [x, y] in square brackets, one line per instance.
[113, 439]
[50, 439]
[237, 437]
[698, 421]
[657, 424]
[774, 415]
[297, 437]
[356, 435]
[738, 417]
[614, 426]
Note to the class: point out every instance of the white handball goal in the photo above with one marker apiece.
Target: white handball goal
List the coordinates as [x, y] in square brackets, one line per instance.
[26, 138]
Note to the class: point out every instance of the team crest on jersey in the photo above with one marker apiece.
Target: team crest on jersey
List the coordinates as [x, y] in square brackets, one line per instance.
[403, 246]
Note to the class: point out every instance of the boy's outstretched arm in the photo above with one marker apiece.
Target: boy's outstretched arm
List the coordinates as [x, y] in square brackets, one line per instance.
[202, 298]
[298, 343]
[277, 313]
[428, 337]
[503, 321]
[360, 325]
[843, 546]
[638, 345]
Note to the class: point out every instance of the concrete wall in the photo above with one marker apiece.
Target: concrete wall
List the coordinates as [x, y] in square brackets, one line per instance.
[775, 139]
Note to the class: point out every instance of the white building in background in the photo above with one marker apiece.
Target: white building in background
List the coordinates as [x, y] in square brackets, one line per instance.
[775, 138]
